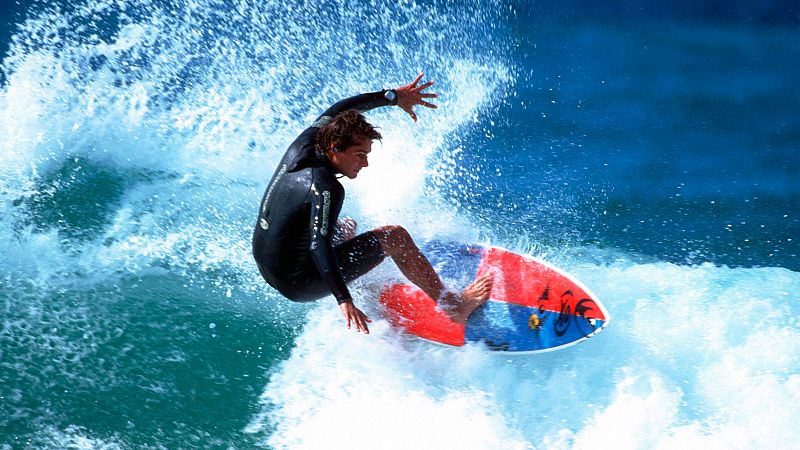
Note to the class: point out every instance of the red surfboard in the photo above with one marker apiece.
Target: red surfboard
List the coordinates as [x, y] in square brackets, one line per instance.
[533, 306]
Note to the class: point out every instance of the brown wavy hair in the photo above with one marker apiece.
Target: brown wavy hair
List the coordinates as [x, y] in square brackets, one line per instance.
[346, 129]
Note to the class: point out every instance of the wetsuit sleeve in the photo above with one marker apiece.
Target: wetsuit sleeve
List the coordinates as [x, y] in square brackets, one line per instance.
[326, 203]
[361, 102]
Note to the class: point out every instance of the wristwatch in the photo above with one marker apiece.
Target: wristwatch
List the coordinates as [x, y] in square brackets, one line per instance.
[390, 95]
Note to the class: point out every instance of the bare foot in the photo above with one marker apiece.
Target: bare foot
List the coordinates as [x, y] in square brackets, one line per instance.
[460, 306]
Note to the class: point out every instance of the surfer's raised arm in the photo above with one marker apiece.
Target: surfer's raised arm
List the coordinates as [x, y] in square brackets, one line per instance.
[405, 97]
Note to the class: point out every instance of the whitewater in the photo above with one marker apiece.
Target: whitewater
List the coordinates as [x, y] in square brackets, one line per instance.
[136, 140]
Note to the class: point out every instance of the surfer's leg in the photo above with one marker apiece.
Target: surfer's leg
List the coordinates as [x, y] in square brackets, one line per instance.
[359, 255]
[399, 245]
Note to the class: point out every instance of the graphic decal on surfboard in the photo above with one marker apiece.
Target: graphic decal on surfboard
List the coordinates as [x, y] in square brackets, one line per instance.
[533, 306]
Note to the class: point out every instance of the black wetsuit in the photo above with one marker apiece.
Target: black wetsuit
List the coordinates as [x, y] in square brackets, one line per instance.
[293, 241]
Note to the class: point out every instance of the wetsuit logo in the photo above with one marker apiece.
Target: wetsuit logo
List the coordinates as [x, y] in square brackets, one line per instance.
[326, 206]
[272, 187]
[322, 121]
[263, 222]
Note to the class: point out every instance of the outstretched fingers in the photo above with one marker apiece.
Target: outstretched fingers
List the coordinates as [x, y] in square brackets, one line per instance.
[416, 80]
[428, 105]
[420, 95]
[363, 321]
[412, 95]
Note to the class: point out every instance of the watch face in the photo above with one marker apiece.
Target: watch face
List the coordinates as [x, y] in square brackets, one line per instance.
[390, 95]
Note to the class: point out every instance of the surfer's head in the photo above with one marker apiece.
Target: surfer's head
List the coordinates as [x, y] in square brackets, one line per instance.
[346, 141]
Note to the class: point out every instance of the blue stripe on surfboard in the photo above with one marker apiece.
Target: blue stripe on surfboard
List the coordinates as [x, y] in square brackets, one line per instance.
[456, 263]
[506, 326]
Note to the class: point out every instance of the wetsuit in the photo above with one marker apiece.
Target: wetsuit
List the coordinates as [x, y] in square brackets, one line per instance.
[293, 241]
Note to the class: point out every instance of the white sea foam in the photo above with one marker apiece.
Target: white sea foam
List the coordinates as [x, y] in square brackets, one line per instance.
[74, 437]
[696, 356]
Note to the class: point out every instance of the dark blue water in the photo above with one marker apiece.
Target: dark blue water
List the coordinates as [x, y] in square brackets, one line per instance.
[649, 148]
[674, 139]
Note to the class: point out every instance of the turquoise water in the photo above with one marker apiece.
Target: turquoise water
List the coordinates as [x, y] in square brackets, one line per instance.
[649, 150]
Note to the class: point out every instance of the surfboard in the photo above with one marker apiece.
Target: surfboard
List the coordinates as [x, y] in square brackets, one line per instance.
[533, 306]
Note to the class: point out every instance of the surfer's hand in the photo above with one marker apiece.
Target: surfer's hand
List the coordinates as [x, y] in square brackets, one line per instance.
[411, 95]
[354, 316]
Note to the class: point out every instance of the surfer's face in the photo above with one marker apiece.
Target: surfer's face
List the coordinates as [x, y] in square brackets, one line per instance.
[352, 159]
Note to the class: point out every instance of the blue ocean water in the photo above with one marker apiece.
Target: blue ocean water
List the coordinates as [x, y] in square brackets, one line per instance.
[649, 148]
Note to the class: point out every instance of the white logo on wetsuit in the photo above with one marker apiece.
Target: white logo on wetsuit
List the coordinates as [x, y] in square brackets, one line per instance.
[326, 206]
[322, 121]
[263, 221]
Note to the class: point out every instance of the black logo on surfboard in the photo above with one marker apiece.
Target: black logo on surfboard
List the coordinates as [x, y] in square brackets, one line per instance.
[566, 317]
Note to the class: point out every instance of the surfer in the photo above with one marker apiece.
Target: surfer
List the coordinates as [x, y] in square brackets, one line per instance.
[301, 247]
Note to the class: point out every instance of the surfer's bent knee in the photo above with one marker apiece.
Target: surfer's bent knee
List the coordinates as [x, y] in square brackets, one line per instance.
[392, 237]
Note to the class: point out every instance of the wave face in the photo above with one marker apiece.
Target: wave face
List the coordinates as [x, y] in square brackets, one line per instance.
[136, 139]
